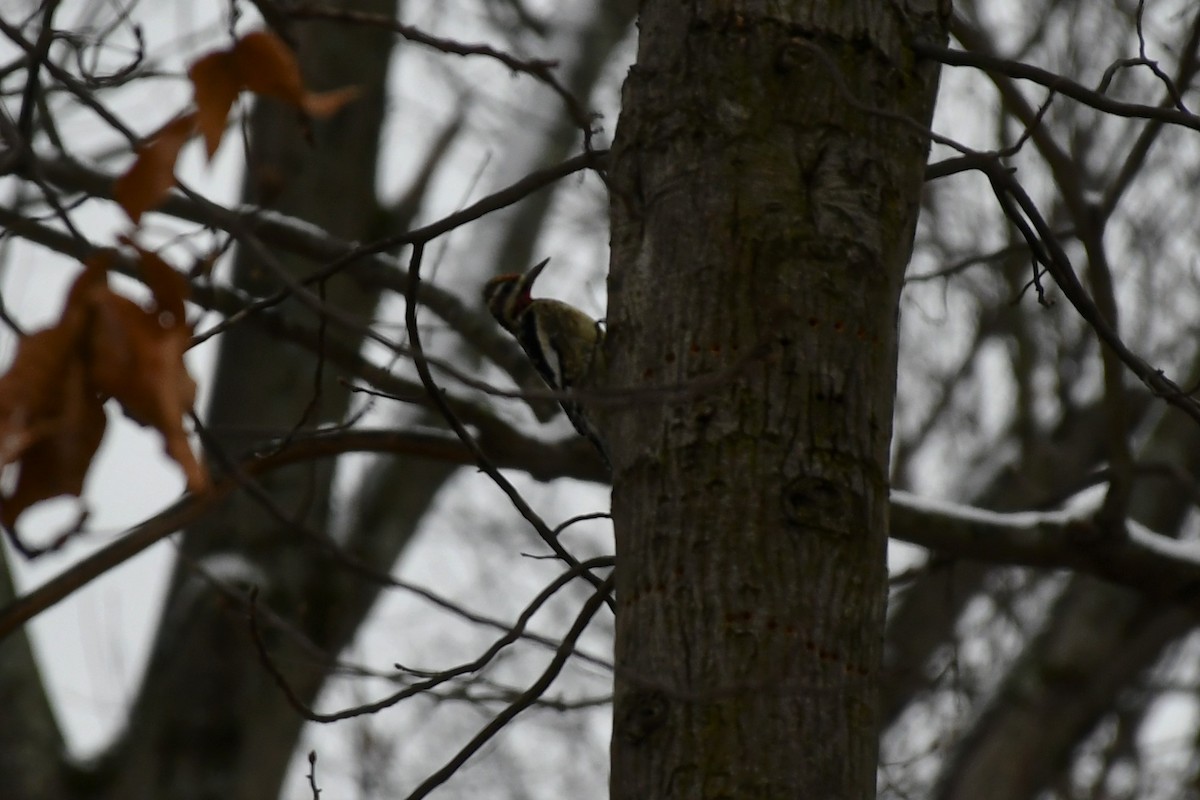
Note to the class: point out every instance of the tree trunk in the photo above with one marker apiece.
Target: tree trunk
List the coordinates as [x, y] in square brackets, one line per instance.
[31, 744]
[208, 721]
[764, 197]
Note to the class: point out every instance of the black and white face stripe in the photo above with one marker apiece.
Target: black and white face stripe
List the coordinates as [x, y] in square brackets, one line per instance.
[507, 296]
[502, 297]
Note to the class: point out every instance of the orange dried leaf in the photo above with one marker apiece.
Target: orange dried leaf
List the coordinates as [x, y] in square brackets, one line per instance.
[152, 175]
[93, 280]
[216, 83]
[28, 391]
[57, 462]
[268, 67]
[51, 419]
[137, 359]
[324, 104]
[51, 399]
[169, 287]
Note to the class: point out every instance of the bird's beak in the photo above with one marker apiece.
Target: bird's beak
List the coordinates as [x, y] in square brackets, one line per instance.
[532, 274]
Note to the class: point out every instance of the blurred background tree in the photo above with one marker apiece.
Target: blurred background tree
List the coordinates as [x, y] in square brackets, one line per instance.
[1001, 680]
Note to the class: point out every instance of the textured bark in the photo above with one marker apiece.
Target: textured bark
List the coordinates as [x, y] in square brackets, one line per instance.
[762, 220]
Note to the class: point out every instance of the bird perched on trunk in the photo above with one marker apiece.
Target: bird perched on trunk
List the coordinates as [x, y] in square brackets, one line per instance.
[565, 345]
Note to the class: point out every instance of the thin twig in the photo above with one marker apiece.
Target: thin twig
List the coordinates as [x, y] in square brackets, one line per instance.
[1051, 80]
[512, 635]
[528, 698]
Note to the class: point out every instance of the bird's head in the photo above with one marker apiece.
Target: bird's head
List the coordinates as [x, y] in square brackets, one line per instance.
[507, 296]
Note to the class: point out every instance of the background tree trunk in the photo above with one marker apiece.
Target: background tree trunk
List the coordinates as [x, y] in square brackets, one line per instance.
[209, 721]
[762, 221]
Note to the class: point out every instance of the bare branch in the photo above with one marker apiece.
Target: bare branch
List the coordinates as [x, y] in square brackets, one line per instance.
[1152, 564]
[1051, 80]
[190, 508]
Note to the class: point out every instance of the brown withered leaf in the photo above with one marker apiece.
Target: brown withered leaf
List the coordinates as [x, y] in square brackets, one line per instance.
[51, 419]
[269, 68]
[324, 104]
[262, 63]
[146, 184]
[136, 357]
[28, 390]
[169, 288]
[57, 460]
[104, 345]
[215, 85]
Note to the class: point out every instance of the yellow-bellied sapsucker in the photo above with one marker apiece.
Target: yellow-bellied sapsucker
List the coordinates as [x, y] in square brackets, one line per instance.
[565, 345]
